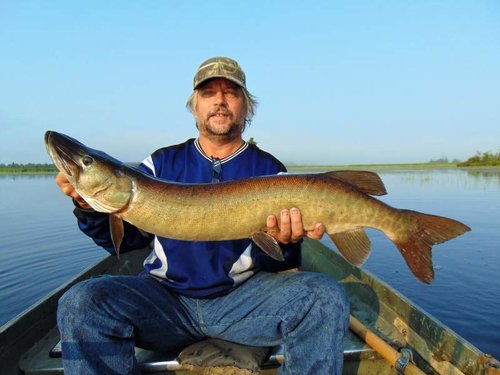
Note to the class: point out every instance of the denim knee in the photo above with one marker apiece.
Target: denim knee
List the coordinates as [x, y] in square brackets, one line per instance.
[328, 298]
[329, 292]
[77, 302]
[323, 287]
[318, 297]
[77, 297]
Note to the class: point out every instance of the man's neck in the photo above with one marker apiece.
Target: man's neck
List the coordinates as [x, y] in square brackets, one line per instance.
[219, 147]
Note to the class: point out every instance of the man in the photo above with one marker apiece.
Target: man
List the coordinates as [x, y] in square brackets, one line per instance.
[193, 290]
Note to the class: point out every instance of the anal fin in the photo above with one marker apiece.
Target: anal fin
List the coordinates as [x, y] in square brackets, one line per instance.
[353, 245]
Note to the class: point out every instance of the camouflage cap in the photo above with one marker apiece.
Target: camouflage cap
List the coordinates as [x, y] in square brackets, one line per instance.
[219, 67]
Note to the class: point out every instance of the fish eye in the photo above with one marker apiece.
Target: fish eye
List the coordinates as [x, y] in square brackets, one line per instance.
[87, 160]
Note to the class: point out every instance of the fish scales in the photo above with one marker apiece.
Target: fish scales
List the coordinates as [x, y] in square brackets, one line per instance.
[214, 208]
[341, 200]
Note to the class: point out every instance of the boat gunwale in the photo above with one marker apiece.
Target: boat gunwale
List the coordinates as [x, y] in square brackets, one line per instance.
[451, 353]
[39, 319]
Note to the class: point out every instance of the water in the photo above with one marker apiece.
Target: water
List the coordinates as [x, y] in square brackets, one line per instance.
[41, 247]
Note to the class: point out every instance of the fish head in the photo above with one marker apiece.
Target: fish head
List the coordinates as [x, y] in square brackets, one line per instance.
[100, 179]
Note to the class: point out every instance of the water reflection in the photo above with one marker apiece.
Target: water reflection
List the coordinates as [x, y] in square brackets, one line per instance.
[26, 176]
[455, 178]
[487, 176]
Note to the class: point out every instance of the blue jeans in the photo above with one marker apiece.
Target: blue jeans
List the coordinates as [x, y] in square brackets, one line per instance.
[101, 320]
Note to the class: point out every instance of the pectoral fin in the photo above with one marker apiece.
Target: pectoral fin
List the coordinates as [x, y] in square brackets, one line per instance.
[353, 245]
[268, 244]
[117, 232]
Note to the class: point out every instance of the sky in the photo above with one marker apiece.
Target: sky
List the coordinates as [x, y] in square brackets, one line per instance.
[338, 82]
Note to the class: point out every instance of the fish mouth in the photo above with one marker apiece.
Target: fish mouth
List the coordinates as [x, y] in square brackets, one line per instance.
[65, 152]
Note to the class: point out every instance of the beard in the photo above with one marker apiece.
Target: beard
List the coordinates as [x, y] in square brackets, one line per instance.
[226, 127]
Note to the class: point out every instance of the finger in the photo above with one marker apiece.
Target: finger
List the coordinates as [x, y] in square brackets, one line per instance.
[297, 227]
[63, 183]
[317, 232]
[272, 225]
[285, 226]
[69, 190]
[66, 187]
[80, 202]
[60, 177]
[74, 194]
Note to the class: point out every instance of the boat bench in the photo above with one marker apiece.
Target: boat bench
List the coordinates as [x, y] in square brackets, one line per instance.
[45, 357]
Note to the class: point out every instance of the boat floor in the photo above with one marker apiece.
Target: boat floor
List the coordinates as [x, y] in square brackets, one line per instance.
[45, 356]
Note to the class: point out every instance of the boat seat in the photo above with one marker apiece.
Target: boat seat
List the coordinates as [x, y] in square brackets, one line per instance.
[45, 357]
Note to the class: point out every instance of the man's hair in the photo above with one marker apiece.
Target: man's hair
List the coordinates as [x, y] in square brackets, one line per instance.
[250, 102]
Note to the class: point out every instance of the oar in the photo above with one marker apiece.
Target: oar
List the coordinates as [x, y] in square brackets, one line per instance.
[384, 349]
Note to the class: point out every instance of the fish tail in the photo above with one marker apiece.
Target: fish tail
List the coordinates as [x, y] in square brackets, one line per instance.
[429, 230]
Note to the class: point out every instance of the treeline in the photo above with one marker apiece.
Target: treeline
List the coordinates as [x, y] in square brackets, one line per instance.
[443, 160]
[482, 159]
[27, 168]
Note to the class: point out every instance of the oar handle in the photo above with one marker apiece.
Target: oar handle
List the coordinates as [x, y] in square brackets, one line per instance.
[390, 354]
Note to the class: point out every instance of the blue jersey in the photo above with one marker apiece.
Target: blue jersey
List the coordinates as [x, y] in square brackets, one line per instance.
[197, 269]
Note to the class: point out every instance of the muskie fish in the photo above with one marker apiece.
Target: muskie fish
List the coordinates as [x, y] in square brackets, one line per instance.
[341, 200]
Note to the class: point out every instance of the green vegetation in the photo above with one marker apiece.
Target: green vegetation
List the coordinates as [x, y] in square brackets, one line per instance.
[27, 168]
[369, 167]
[444, 160]
[482, 159]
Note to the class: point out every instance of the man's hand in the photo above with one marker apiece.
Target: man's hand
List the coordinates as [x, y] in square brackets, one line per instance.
[291, 227]
[70, 191]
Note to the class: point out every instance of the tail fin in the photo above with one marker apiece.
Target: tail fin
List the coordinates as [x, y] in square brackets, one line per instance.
[416, 248]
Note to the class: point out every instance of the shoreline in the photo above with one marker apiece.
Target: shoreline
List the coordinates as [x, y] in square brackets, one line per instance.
[390, 167]
[326, 168]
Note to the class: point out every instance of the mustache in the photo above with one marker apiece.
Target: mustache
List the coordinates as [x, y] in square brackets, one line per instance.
[220, 110]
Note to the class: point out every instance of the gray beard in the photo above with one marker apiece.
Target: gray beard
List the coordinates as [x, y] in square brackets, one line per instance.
[230, 131]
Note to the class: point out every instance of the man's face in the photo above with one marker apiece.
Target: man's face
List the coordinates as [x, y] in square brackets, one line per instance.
[220, 108]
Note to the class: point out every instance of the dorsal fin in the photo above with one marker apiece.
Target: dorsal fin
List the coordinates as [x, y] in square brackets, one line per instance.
[365, 181]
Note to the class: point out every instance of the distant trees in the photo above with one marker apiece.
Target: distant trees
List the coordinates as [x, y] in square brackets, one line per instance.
[482, 159]
[444, 160]
[27, 168]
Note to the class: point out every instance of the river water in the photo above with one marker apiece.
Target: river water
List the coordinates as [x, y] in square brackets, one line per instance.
[41, 247]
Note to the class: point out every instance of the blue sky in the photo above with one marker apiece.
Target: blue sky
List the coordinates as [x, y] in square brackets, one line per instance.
[339, 82]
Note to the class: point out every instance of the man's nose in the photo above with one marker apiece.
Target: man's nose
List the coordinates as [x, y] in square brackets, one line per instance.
[220, 98]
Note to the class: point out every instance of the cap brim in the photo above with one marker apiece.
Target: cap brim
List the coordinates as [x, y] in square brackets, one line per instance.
[239, 83]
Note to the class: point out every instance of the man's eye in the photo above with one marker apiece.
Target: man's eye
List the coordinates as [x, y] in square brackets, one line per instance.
[231, 93]
[207, 93]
